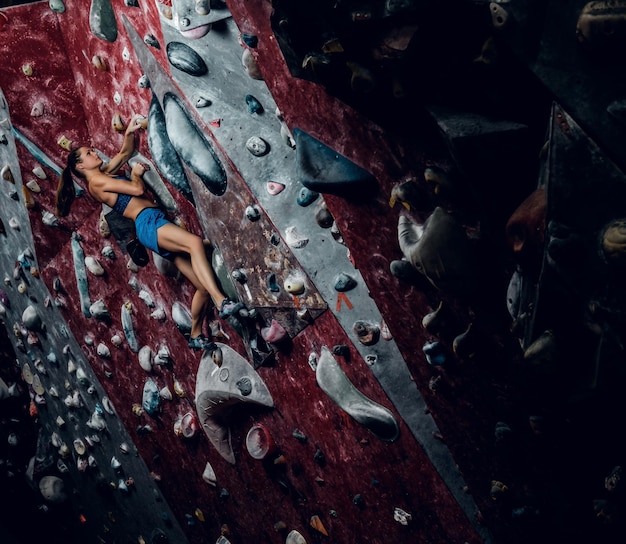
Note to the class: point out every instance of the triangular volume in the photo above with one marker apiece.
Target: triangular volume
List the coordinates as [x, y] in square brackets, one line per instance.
[322, 169]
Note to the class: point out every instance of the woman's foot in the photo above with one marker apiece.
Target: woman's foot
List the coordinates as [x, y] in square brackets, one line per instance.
[229, 307]
[201, 342]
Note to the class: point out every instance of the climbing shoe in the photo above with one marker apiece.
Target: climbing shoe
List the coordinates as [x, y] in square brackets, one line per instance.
[229, 307]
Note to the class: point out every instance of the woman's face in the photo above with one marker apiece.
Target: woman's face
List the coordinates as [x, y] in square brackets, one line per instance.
[88, 159]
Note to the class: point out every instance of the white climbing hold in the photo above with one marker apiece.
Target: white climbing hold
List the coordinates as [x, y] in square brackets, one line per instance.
[94, 266]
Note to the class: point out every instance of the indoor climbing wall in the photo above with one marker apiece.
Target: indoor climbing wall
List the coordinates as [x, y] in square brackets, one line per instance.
[394, 377]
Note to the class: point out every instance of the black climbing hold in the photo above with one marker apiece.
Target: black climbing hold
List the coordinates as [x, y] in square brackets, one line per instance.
[186, 59]
[272, 284]
[249, 39]
[322, 169]
[191, 145]
[344, 282]
[299, 436]
[163, 152]
[306, 197]
[254, 106]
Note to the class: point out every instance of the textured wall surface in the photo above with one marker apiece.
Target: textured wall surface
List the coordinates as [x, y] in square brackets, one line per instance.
[470, 463]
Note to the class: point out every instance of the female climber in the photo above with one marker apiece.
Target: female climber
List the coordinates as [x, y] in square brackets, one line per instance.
[185, 249]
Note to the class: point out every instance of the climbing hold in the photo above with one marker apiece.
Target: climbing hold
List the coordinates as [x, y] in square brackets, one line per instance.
[322, 169]
[274, 187]
[103, 351]
[465, 344]
[6, 174]
[254, 106]
[441, 251]
[191, 145]
[358, 500]
[52, 489]
[202, 102]
[344, 282]
[39, 172]
[317, 524]
[165, 393]
[94, 266]
[186, 426]
[208, 475]
[99, 63]
[145, 358]
[306, 197]
[323, 217]
[249, 39]
[294, 238]
[108, 252]
[150, 401]
[217, 391]
[185, 59]
[102, 20]
[31, 318]
[117, 123]
[274, 333]
[99, 310]
[27, 69]
[367, 333]
[250, 65]
[57, 6]
[253, 213]
[333, 381]
[150, 39]
[259, 442]
[294, 537]
[37, 110]
[299, 436]
[272, 284]
[435, 353]
[401, 516]
[127, 326]
[294, 283]
[257, 146]
[181, 317]
[437, 320]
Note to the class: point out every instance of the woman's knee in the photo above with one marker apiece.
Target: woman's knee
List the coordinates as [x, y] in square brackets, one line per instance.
[196, 246]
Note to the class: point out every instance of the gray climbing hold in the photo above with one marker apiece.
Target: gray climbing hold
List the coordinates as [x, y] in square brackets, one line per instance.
[344, 282]
[218, 389]
[98, 310]
[333, 381]
[441, 250]
[367, 333]
[151, 400]
[181, 317]
[191, 145]
[257, 146]
[102, 20]
[31, 318]
[186, 59]
[322, 169]
[163, 153]
[81, 275]
[127, 326]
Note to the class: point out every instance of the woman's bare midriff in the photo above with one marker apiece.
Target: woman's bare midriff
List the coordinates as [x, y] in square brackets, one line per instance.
[135, 206]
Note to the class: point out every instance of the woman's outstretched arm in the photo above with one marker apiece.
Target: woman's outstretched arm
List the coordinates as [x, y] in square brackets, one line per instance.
[128, 146]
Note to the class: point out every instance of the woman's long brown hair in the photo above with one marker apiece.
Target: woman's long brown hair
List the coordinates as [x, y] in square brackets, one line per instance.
[66, 192]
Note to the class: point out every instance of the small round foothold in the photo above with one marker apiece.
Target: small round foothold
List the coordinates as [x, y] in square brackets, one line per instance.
[257, 146]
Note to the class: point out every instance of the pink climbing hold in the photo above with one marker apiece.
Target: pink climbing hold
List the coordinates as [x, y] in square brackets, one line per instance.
[274, 187]
[274, 333]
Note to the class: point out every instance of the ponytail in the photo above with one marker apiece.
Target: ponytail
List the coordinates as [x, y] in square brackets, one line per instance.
[66, 192]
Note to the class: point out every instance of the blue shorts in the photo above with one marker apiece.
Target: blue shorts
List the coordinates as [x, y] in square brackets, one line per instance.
[147, 223]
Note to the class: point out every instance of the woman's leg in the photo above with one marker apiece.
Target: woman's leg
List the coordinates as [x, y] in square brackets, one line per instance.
[176, 239]
[200, 297]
